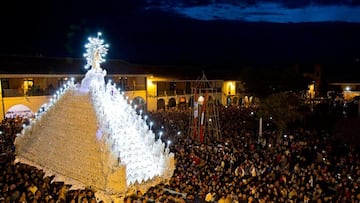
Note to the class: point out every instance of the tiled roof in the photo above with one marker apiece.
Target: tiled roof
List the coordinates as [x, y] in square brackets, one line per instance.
[14, 64]
[52, 65]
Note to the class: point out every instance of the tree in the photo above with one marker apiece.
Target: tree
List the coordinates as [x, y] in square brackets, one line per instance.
[282, 108]
[264, 81]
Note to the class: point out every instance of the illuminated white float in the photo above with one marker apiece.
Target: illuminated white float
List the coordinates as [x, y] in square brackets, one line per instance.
[89, 134]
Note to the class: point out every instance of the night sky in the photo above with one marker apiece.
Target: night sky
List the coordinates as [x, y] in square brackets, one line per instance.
[206, 34]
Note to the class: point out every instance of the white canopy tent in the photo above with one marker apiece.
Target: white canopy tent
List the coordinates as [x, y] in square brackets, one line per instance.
[19, 110]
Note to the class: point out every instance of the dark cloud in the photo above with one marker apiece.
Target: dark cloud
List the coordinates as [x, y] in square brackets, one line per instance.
[286, 3]
[152, 32]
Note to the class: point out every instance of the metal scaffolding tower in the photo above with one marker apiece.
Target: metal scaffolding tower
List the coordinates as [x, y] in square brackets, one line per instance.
[204, 116]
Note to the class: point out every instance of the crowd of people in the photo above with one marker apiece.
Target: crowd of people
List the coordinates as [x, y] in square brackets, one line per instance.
[297, 166]
[21, 183]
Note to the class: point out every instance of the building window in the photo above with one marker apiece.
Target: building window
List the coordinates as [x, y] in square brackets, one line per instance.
[28, 87]
[123, 83]
[5, 84]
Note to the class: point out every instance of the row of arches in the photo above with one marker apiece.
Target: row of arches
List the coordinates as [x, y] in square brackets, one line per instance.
[23, 110]
[172, 103]
[183, 103]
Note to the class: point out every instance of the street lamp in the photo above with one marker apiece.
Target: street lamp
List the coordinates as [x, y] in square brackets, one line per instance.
[201, 100]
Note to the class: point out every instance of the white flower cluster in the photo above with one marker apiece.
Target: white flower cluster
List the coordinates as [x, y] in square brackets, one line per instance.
[96, 51]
